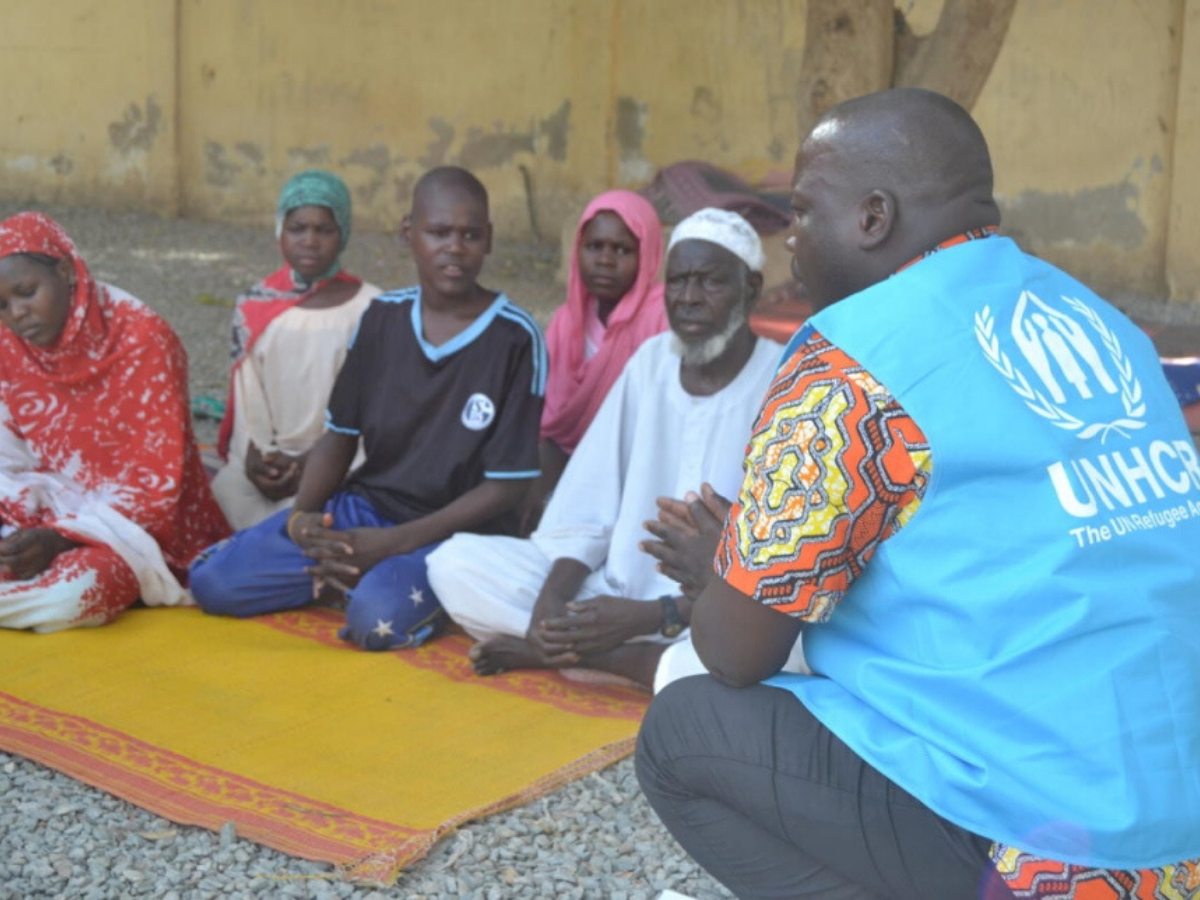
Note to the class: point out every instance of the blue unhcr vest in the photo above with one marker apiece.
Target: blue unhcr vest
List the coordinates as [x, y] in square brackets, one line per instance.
[1024, 656]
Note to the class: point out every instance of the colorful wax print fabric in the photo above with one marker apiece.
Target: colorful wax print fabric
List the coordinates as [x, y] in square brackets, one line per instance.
[835, 466]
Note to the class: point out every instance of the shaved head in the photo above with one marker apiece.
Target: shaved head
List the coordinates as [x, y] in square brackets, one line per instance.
[880, 180]
[916, 143]
[449, 179]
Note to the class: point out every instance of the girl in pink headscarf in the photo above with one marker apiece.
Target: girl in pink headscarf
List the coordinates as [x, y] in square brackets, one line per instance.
[614, 302]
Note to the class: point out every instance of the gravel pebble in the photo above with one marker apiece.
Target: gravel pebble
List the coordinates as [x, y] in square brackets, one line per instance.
[110, 849]
[595, 838]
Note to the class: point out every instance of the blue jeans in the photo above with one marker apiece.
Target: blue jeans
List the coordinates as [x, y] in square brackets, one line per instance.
[261, 570]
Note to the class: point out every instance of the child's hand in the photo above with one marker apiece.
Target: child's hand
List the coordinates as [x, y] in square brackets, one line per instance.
[275, 474]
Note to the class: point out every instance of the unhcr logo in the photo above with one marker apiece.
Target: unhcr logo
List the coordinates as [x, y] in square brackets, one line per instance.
[1122, 480]
[1065, 368]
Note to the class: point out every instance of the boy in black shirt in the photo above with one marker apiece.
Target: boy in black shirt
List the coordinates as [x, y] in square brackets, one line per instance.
[443, 385]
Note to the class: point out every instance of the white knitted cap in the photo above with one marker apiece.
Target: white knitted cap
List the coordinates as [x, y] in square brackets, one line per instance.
[725, 229]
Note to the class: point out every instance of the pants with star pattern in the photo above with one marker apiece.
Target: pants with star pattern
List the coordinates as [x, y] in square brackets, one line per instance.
[261, 570]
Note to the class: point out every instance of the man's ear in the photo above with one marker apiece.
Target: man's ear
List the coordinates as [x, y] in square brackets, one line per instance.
[877, 217]
[488, 247]
[406, 230]
[754, 285]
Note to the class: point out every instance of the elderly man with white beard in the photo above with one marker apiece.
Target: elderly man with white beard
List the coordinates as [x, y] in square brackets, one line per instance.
[579, 595]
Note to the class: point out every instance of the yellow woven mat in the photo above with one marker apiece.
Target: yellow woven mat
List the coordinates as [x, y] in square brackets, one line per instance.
[311, 747]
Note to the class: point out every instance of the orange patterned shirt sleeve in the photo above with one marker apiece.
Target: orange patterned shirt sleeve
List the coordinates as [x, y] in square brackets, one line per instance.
[833, 468]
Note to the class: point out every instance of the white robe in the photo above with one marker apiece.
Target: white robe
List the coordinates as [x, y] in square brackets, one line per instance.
[649, 439]
[280, 393]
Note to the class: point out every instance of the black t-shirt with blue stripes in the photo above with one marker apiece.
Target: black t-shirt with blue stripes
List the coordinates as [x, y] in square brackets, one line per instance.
[436, 421]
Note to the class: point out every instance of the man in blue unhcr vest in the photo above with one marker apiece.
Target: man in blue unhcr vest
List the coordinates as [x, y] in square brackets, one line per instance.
[972, 490]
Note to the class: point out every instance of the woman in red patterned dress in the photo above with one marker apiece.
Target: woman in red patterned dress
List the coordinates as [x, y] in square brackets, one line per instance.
[102, 496]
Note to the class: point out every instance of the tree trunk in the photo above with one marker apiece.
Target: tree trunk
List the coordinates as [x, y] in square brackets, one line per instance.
[848, 52]
[956, 58]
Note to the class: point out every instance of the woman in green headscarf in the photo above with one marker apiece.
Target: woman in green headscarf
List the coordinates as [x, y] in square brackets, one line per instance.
[294, 324]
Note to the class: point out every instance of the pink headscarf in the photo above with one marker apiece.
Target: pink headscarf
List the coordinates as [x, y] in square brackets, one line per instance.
[576, 387]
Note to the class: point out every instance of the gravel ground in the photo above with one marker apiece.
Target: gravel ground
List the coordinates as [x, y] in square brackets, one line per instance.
[596, 838]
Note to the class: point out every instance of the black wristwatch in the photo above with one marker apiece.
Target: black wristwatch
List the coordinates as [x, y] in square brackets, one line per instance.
[672, 625]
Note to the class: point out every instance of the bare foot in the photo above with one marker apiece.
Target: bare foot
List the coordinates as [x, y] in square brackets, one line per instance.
[499, 654]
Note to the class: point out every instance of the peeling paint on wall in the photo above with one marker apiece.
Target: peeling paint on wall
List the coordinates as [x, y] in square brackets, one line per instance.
[136, 130]
[556, 130]
[218, 170]
[481, 150]
[374, 158]
[630, 133]
[253, 154]
[402, 189]
[307, 157]
[377, 161]
[705, 106]
[61, 164]
[1095, 214]
[443, 137]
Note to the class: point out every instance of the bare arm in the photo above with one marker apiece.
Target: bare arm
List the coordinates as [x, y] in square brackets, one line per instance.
[327, 464]
[553, 460]
[739, 640]
[562, 584]
[560, 587]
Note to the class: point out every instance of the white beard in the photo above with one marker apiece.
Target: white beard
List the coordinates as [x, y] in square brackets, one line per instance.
[701, 353]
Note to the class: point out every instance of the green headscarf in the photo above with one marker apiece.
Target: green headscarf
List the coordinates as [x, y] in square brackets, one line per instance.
[316, 187]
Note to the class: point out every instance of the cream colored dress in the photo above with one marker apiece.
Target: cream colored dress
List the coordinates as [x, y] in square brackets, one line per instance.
[280, 394]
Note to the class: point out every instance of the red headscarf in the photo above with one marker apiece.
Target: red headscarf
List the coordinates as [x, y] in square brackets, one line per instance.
[90, 342]
[576, 387]
[107, 405]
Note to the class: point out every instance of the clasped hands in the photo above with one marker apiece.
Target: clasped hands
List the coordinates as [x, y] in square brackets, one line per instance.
[340, 557]
[687, 533]
[588, 627]
[276, 474]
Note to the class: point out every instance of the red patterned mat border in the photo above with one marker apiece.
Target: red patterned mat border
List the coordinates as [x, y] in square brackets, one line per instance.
[191, 793]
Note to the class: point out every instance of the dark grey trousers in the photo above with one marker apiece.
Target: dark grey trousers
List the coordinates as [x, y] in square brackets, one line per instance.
[774, 805]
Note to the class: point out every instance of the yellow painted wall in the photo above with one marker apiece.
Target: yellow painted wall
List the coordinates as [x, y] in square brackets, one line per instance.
[583, 95]
[1079, 114]
[205, 106]
[381, 91]
[89, 103]
[720, 89]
